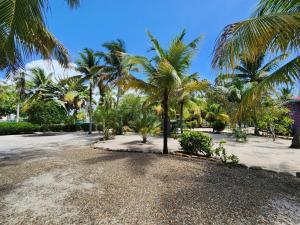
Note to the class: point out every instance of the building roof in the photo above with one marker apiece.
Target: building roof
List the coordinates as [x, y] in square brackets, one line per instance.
[294, 99]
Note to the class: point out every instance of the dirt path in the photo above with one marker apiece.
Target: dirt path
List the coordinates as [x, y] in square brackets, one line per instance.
[89, 186]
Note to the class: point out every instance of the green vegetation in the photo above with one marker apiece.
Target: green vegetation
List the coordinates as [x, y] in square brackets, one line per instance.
[193, 142]
[18, 128]
[40, 112]
[248, 92]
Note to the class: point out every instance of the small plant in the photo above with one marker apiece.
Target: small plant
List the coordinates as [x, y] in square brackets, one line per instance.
[240, 135]
[195, 142]
[228, 160]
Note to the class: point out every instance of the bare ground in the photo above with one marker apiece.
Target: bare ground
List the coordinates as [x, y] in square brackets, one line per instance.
[90, 186]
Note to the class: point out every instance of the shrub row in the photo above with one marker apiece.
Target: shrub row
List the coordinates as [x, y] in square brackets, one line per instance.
[18, 128]
[7, 128]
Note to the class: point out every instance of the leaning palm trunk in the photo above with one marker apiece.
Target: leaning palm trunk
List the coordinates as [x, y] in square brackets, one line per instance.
[166, 122]
[90, 111]
[296, 138]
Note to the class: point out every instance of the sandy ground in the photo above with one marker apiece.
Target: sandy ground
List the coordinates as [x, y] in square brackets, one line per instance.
[92, 186]
[257, 151]
[61, 179]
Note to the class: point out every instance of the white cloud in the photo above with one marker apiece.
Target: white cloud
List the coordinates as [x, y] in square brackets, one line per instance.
[52, 66]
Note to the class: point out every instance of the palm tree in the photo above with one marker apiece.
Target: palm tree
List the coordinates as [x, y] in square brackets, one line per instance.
[164, 72]
[89, 66]
[23, 33]
[39, 83]
[216, 113]
[254, 71]
[72, 94]
[274, 27]
[114, 66]
[20, 88]
[189, 85]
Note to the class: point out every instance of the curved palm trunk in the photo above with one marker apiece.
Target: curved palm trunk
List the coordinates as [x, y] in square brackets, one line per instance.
[181, 117]
[90, 111]
[166, 122]
[296, 138]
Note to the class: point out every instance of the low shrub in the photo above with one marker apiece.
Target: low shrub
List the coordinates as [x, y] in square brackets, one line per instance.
[85, 127]
[218, 125]
[191, 124]
[7, 128]
[240, 135]
[194, 142]
[228, 160]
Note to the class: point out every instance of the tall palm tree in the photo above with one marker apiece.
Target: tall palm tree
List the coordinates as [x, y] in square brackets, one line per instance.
[89, 65]
[274, 27]
[23, 33]
[114, 66]
[164, 72]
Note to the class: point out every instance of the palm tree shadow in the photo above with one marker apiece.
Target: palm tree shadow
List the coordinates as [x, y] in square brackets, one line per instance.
[137, 162]
[224, 193]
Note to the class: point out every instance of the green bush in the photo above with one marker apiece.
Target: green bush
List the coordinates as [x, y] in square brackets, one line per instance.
[218, 125]
[193, 142]
[240, 134]
[192, 124]
[18, 128]
[85, 127]
[41, 112]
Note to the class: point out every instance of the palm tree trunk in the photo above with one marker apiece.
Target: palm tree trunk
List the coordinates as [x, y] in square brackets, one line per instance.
[90, 111]
[166, 122]
[181, 117]
[18, 112]
[118, 96]
[296, 137]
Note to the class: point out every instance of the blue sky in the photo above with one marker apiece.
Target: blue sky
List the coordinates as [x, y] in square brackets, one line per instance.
[99, 21]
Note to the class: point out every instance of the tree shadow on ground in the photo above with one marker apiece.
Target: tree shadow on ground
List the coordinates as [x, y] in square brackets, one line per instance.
[136, 161]
[26, 154]
[219, 195]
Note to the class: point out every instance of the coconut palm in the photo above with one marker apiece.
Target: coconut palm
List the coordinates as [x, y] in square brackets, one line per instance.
[23, 33]
[114, 66]
[274, 27]
[39, 83]
[184, 95]
[164, 72]
[72, 93]
[89, 65]
[215, 113]
[253, 71]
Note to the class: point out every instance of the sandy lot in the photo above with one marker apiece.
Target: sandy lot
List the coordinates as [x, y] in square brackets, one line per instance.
[257, 151]
[77, 184]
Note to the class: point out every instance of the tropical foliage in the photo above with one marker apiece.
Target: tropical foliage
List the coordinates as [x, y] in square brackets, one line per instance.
[23, 33]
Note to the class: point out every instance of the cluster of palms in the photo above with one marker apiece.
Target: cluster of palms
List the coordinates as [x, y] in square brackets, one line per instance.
[239, 53]
[273, 28]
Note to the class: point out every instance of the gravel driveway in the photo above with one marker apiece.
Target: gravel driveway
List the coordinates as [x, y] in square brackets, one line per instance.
[93, 186]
